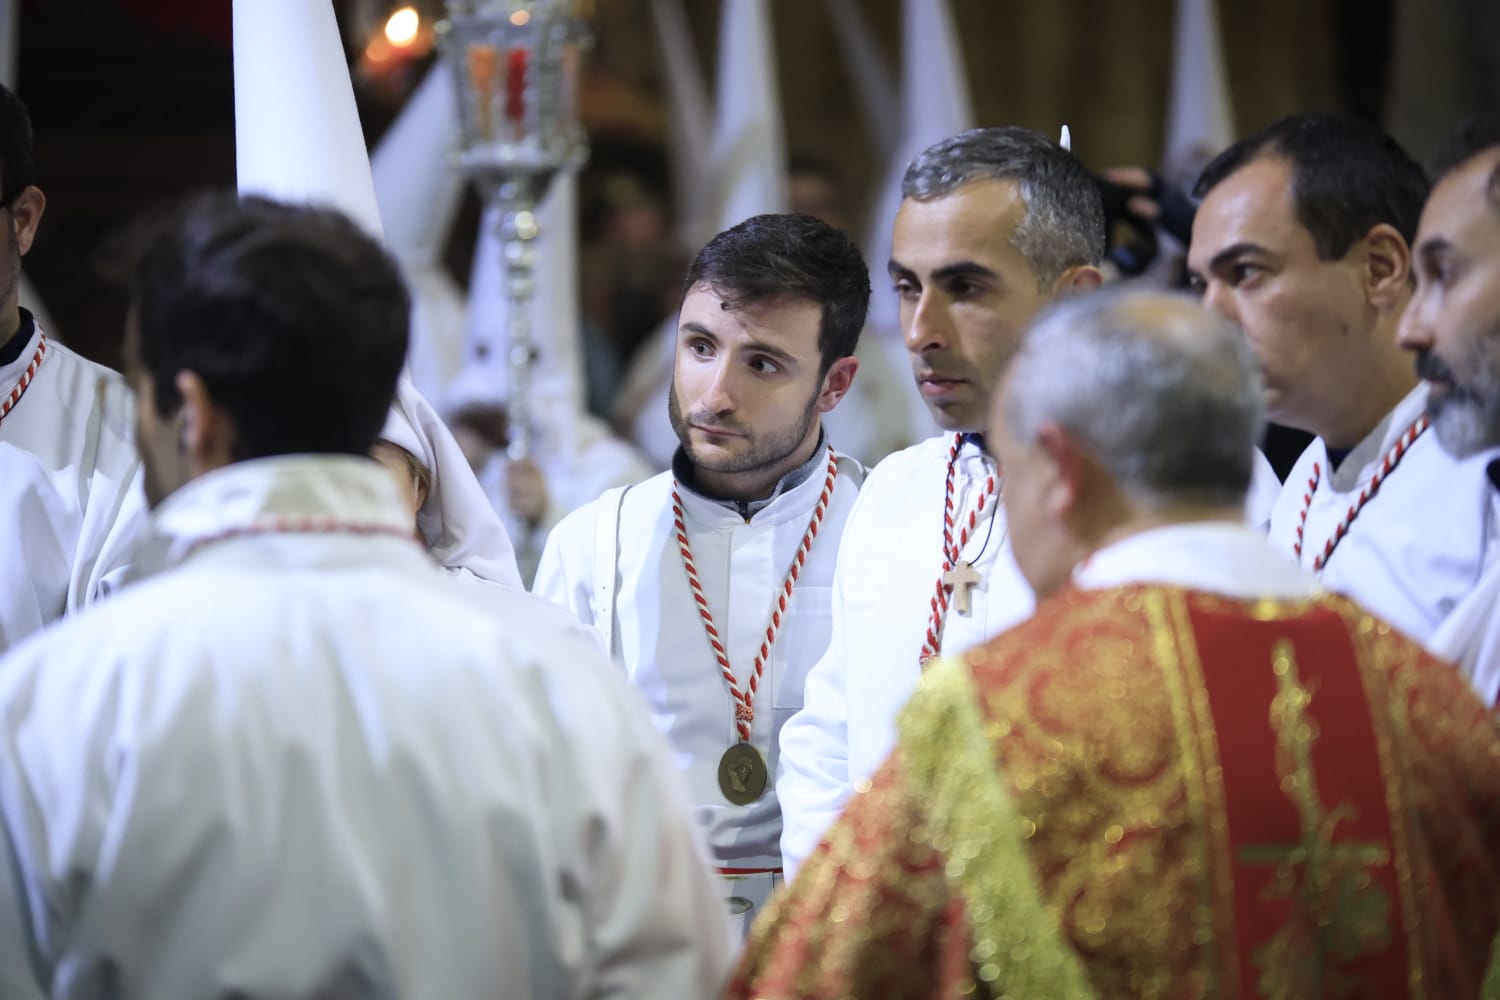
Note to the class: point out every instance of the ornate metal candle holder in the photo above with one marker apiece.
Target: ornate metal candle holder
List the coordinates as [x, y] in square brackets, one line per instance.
[515, 63]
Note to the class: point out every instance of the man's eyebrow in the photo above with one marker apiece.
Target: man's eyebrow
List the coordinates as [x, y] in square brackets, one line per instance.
[693, 326]
[1232, 253]
[964, 269]
[780, 354]
[958, 269]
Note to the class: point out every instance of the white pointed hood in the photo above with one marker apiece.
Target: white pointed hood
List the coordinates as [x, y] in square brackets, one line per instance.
[298, 139]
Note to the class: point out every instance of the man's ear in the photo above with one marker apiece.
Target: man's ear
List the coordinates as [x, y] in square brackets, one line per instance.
[1069, 468]
[206, 431]
[1077, 279]
[26, 209]
[837, 382]
[1386, 267]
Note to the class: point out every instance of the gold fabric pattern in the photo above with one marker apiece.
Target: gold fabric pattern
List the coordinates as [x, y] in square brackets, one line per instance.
[1018, 949]
[1097, 761]
[1341, 915]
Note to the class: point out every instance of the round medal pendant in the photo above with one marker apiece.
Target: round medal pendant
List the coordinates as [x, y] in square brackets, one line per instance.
[742, 774]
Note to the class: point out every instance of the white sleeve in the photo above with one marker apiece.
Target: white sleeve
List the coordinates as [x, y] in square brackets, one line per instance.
[655, 922]
[16, 979]
[1470, 638]
[115, 516]
[812, 780]
[54, 805]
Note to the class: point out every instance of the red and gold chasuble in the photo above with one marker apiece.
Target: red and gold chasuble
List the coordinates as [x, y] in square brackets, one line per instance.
[1152, 792]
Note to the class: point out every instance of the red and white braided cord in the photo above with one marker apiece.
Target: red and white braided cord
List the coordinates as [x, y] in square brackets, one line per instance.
[1387, 465]
[303, 525]
[19, 390]
[744, 701]
[938, 613]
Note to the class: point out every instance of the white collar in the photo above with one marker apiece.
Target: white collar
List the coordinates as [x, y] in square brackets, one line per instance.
[1359, 463]
[244, 496]
[796, 502]
[11, 373]
[1220, 557]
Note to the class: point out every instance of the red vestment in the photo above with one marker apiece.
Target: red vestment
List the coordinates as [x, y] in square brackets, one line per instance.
[1151, 791]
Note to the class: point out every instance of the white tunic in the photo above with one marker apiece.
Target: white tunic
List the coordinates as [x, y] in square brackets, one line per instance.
[70, 491]
[889, 564]
[1470, 635]
[1421, 542]
[307, 765]
[656, 632]
[576, 473]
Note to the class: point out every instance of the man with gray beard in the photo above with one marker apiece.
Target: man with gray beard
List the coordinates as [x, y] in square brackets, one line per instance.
[1453, 326]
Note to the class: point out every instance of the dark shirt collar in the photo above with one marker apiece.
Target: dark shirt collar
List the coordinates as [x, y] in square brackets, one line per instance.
[12, 348]
[685, 474]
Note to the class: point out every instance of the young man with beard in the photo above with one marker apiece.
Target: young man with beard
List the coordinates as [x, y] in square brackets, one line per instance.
[69, 492]
[1303, 240]
[994, 223]
[1453, 326]
[710, 582]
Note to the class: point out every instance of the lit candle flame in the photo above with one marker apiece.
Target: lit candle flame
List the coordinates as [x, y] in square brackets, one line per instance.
[401, 27]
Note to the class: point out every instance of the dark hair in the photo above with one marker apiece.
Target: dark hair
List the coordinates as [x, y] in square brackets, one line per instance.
[768, 257]
[1347, 177]
[16, 154]
[295, 320]
[1064, 222]
[1475, 135]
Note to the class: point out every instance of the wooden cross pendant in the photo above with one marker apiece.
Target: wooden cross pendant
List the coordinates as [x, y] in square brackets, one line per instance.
[959, 580]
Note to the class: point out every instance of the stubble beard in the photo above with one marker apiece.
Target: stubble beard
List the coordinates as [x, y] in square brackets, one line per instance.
[761, 451]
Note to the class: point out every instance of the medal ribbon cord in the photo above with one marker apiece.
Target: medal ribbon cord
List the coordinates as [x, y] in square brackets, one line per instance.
[1387, 466]
[938, 610]
[19, 389]
[744, 701]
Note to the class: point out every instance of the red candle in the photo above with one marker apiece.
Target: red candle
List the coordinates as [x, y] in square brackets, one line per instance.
[515, 85]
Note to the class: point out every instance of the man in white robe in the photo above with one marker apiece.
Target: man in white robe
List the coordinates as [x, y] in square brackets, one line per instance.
[69, 476]
[993, 224]
[1303, 239]
[305, 752]
[711, 582]
[1453, 327]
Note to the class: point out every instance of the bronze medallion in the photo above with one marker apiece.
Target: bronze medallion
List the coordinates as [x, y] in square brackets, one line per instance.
[742, 774]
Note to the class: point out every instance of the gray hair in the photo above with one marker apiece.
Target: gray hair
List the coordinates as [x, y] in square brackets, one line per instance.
[1064, 222]
[1164, 394]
